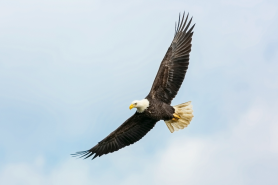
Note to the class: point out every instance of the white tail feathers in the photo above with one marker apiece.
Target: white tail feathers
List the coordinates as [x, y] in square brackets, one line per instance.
[185, 111]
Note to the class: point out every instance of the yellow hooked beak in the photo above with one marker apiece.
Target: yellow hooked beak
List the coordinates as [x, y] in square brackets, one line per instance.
[131, 106]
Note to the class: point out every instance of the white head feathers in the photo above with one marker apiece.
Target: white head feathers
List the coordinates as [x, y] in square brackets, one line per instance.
[141, 105]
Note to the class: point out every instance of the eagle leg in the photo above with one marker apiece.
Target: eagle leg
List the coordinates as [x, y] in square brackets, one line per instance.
[176, 117]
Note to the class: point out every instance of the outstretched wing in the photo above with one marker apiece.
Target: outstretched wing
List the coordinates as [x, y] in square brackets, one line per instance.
[131, 131]
[174, 64]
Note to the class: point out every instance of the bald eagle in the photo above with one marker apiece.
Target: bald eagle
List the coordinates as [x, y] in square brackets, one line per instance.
[156, 106]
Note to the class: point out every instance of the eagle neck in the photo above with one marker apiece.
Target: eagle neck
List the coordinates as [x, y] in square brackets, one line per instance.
[143, 105]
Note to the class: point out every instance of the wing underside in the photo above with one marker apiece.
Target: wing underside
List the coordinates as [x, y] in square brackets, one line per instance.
[131, 131]
[174, 65]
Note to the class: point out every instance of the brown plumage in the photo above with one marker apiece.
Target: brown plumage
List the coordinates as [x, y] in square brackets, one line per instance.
[174, 65]
[165, 87]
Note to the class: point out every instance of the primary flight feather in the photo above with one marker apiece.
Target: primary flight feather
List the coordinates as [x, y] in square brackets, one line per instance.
[156, 106]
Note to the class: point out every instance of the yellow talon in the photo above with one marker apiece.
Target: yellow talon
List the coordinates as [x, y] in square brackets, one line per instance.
[176, 117]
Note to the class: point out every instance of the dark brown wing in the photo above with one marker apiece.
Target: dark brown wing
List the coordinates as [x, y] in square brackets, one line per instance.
[131, 131]
[174, 64]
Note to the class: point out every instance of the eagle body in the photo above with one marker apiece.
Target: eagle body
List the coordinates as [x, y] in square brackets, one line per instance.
[159, 110]
[157, 104]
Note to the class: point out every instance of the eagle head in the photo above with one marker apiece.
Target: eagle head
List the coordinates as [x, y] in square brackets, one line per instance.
[141, 105]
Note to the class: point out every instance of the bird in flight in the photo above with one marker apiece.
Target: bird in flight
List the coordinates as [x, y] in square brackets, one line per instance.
[157, 105]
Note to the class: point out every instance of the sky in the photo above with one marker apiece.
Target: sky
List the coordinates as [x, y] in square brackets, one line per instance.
[70, 69]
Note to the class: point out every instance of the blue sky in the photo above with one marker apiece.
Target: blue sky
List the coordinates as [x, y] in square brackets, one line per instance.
[69, 70]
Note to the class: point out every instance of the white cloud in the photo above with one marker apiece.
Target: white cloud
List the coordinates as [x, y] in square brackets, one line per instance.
[231, 156]
[36, 174]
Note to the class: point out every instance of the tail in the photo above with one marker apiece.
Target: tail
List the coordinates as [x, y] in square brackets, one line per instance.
[185, 111]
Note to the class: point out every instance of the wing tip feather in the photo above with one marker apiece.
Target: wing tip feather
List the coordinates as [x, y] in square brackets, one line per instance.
[182, 25]
[84, 154]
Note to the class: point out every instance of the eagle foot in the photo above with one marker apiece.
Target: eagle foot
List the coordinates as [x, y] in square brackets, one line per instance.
[176, 117]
